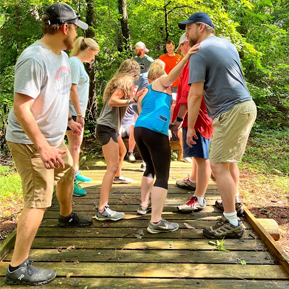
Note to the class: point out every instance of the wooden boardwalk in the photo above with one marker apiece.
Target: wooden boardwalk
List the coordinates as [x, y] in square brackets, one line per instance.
[124, 255]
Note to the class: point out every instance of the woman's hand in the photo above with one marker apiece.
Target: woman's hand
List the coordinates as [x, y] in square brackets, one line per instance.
[194, 49]
[139, 94]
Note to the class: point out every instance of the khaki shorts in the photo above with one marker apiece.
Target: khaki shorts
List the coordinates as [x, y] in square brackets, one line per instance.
[231, 132]
[37, 181]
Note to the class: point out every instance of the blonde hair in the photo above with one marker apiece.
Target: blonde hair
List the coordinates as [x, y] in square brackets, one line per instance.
[81, 44]
[156, 70]
[124, 78]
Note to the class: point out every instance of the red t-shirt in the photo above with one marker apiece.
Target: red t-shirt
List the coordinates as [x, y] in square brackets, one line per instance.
[171, 62]
[203, 123]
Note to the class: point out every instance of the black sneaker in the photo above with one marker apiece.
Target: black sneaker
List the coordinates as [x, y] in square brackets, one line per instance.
[27, 274]
[238, 206]
[74, 220]
[224, 229]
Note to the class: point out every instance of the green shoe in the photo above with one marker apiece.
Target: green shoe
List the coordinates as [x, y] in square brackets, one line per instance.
[78, 191]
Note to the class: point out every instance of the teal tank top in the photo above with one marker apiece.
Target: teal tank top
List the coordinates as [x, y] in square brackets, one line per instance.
[155, 114]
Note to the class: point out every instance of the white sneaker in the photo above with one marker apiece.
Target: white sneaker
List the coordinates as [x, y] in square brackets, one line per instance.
[122, 180]
[131, 158]
[192, 205]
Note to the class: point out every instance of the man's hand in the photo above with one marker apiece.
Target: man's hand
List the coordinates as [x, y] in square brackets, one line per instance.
[191, 133]
[80, 120]
[51, 157]
[75, 127]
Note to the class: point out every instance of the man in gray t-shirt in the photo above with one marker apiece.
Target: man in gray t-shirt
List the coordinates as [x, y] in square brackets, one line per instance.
[35, 133]
[216, 73]
[144, 62]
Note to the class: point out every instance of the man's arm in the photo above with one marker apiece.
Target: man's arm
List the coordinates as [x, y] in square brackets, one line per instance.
[194, 104]
[22, 110]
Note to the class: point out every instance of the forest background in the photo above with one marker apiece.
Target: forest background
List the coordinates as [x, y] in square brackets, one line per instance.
[258, 28]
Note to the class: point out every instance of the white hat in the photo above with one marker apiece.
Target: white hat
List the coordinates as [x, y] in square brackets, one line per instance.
[141, 45]
[181, 41]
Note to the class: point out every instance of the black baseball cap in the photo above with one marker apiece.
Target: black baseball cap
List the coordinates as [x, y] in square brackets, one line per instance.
[197, 17]
[60, 13]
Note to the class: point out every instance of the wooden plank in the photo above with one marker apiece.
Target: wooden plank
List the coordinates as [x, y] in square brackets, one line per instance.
[135, 221]
[274, 247]
[271, 226]
[157, 270]
[125, 232]
[149, 256]
[144, 244]
[149, 283]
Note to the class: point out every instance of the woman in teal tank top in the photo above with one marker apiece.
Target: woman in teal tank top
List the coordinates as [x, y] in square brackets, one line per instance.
[151, 136]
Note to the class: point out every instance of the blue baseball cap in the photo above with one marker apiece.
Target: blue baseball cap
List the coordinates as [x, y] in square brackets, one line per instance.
[197, 17]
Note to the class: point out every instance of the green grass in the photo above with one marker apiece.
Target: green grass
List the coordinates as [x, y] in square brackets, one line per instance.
[10, 183]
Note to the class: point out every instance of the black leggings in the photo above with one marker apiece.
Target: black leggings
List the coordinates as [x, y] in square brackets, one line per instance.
[155, 150]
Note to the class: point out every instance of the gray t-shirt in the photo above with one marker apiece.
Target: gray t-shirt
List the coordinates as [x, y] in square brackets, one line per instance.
[44, 76]
[218, 65]
[144, 64]
[80, 77]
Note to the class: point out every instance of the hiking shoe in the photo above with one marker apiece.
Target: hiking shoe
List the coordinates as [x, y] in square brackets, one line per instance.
[224, 229]
[192, 206]
[131, 157]
[186, 184]
[163, 226]
[238, 206]
[80, 178]
[27, 274]
[78, 191]
[74, 220]
[144, 210]
[122, 180]
[108, 214]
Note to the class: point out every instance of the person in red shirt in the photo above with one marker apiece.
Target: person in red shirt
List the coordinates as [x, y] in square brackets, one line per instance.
[171, 60]
[200, 151]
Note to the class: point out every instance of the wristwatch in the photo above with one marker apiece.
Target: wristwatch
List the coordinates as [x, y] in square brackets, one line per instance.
[129, 101]
[70, 118]
[179, 119]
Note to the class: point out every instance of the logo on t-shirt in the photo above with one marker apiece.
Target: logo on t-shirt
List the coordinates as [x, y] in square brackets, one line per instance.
[63, 80]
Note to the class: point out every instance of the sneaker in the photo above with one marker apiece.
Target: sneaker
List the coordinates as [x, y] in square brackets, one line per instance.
[81, 178]
[162, 226]
[238, 206]
[74, 220]
[224, 229]
[186, 184]
[144, 210]
[78, 191]
[122, 180]
[108, 214]
[192, 206]
[187, 160]
[131, 157]
[27, 274]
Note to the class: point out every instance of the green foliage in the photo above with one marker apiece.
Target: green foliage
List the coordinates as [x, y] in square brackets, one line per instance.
[219, 245]
[10, 183]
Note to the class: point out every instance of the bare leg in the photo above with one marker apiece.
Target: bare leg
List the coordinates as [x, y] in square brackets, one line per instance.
[180, 135]
[226, 185]
[146, 186]
[27, 227]
[131, 140]
[203, 176]
[74, 143]
[122, 152]
[111, 155]
[64, 195]
[193, 176]
[158, 200]
[235, 173]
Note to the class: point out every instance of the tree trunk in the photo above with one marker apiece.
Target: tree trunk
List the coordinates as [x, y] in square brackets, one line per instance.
[125, 39]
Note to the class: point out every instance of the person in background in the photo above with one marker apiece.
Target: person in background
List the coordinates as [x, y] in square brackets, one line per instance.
[171, 59]
[118, 95]
[216, 73]
[151, 135]
[35, 136]
[200, 151]
[84, 50]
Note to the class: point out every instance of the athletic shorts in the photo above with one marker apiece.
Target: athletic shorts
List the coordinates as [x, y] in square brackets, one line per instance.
[199, 150]
[37, 181]
[105, 133]
[125, 130]
[231, 132]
